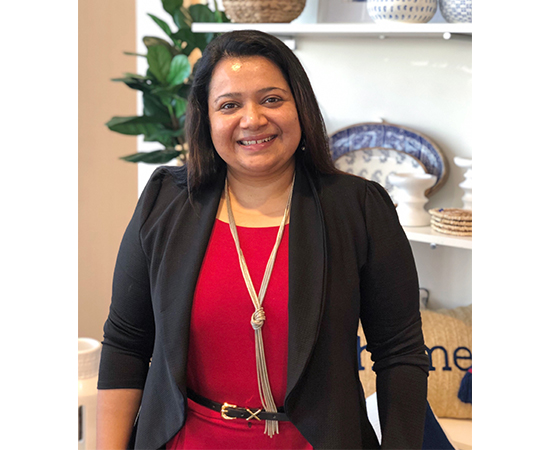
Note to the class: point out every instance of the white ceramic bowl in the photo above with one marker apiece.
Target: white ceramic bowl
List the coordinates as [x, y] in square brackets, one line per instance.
[404, 11]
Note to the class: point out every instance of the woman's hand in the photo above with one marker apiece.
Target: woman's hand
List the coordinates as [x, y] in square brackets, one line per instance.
[116, 413]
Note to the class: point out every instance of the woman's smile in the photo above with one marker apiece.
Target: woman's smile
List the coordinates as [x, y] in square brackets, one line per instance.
[256, 140]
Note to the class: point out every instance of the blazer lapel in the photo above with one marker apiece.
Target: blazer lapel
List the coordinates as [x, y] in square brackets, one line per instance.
[187, 244]
[307, 269]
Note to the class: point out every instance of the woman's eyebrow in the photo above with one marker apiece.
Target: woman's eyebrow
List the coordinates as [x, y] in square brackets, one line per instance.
[228, 95]
[238, 94]
[271, 88]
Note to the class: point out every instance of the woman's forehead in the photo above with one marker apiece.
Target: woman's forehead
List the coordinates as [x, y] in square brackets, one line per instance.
[246, 73]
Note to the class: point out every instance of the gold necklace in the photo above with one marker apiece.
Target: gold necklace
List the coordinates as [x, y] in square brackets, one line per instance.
[258, 317]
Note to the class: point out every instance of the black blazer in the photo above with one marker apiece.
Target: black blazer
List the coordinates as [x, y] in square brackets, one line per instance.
[349, 260]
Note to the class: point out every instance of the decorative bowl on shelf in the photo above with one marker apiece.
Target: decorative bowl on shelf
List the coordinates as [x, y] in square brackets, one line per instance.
[377, 164]
[456, 11]
[263, 11]
[389, 136]
[404, 11]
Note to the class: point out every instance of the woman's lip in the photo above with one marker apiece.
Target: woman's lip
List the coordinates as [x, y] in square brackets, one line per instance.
[257, 140]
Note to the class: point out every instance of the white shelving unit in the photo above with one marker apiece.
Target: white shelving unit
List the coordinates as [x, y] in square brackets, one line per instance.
[375, 30]
[429, 236]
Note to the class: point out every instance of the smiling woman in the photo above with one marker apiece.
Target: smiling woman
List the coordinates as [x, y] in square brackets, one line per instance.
[244, 275]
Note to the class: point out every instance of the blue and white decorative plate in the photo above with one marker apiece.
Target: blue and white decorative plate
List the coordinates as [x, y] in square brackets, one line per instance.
[385, 135]
[456, 11]
[377, 164]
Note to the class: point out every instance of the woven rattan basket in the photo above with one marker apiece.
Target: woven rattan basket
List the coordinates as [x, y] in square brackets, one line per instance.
[263, 11]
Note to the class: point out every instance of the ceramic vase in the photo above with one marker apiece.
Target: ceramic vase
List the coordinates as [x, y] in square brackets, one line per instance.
[405, 11]
[456, 11]
[411, 197]
[89, 351]
[466, 184]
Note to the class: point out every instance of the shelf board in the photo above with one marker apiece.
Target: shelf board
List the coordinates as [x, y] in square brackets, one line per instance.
[433, 30]
[429, 236]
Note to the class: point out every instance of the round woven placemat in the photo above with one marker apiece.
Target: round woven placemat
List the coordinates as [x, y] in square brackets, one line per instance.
[453, 221]
[451, 213]
[453, 232]
[464, 223]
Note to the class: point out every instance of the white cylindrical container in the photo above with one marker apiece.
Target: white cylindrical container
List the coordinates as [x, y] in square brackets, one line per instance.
[466, 185]
[89, 351]
[411, 197]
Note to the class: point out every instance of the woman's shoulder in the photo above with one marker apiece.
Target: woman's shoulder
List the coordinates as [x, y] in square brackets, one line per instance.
[166, 185]
[176, 174]
[343, 186]
[348, 182]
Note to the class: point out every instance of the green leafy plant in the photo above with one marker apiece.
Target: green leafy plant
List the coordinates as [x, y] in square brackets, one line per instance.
[166, 84]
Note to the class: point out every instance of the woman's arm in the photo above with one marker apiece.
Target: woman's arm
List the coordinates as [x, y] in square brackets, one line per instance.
[129, 333]
[116, 412]
[390, 315]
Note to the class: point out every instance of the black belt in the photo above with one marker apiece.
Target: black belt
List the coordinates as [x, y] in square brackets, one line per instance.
[230, 412]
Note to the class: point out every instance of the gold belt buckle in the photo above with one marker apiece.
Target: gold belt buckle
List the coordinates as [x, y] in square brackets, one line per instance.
[224, 410]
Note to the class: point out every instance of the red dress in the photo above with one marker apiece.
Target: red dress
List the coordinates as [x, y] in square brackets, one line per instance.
[221, 358]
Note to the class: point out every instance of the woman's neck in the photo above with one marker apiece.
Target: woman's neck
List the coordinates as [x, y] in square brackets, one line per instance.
[257, 202]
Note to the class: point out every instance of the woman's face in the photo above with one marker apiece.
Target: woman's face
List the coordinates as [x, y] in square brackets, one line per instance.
[253, 118]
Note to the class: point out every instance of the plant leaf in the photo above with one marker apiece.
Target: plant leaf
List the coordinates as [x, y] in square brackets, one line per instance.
[135, 125]
[134, 84]
[221, 17]
[186, 35]
[170, 6]
[182, 18]
[201, 13]
[153, 107]
[164, 136]
[164, 96]
[151, 41]
[154, 157]
[134, 54]
[180, 68]
[159, 59]
[162, 24]
[180, 106]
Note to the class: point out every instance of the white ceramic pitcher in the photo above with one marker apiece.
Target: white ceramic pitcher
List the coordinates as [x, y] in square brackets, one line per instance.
[411, 198]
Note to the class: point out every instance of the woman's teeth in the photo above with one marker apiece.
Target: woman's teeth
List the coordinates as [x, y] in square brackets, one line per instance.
[260, 141]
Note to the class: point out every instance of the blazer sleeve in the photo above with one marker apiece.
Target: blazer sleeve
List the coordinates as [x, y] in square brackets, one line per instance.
[391, 320]
[129, 331]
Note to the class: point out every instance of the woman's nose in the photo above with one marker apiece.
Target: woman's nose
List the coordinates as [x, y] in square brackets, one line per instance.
[253, 117]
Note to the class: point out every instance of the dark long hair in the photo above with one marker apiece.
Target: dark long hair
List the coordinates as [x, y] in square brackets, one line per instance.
[204, 164]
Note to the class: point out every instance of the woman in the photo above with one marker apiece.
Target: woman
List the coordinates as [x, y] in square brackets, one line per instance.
[242, 277]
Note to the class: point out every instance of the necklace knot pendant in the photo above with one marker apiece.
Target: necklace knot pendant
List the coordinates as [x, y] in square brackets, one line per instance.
[258, 319]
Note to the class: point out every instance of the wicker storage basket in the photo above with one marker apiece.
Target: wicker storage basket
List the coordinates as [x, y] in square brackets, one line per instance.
[263, 11]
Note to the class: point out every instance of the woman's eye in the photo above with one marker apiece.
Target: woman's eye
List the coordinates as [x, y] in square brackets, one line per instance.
[227, 106]
[272, 100]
